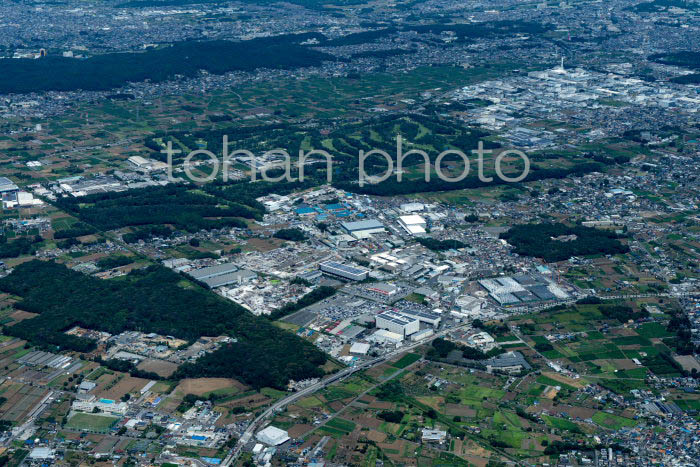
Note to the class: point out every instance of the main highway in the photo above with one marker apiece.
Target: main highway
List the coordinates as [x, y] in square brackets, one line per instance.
[280, 404]
[342, 374]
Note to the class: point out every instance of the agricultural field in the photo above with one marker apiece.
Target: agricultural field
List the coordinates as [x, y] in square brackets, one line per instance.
[598, 342]
[488, 417]
[69, 144]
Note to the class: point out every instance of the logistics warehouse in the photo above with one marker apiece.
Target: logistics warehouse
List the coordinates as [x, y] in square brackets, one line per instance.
[406, 322]
[344, 271]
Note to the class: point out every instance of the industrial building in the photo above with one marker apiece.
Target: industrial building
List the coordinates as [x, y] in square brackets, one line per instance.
[272, 436]
[388, 261]
[412, 207]
[86, 386]
[422, 334]
[363, 229]
[142, 163]
[397, 323]
[42, 454]
[359, 348]
[342, 270]
[8, 190]
[468, 306]
[237, 277]
[509, 362]
[383, 336]
[427, 317]
[222, 274]
[522, 289]
[481, 339]
[383, 288]
[413, 224]
[213, 271]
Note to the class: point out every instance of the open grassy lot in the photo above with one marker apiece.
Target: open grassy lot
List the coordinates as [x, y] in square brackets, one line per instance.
[341, 425]
[406, 360]
[612, 422]
[91, 422]
[562, 424]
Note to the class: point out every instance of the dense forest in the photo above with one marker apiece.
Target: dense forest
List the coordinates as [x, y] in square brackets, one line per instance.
[152, 300]
[656, 6]
[173, 204]
[293, 235]
[78, 229]
[441, 348]
[684, 58]
[391, 187]
[538, 240]
[693, 78]
[312, 4]
[111, 262]
[18, 246]
[441, 245]
[108, 71]
[113, 70]
[463, 31]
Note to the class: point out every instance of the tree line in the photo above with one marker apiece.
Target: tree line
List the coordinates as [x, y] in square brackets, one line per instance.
[542, 241]
[151, 300]
[113, 70]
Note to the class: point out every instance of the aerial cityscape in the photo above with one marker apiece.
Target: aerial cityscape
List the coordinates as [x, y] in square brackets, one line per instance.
[350, 233]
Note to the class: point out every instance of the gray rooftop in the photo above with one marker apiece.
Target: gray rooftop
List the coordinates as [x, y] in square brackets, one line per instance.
[509, 359]
[397, 318]
[7, 185]
[230, 278]
[212, 271]
[368, 224]
[343, 267]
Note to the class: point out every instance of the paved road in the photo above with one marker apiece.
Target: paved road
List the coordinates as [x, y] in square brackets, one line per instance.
[257, 423]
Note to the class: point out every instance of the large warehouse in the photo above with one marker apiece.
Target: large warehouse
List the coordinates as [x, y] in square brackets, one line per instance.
[272, 436]
[413, 224]
[363, 229]
[236, 277]
[222, 274]
[398, 323]
[342, 270]
[8, 189]
[213, 271]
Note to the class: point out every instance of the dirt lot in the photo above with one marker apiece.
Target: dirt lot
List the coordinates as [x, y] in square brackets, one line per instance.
[264, 244]
[461, 410]
[128, 384]
[688, 362]
[202, 386]
[249, 402]
[623, 364]
[20, 315]
[296, 431]
[159, 367]
[563, 379]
